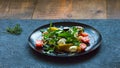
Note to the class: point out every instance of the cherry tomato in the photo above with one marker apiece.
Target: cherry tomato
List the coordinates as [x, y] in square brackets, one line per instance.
[85, 39]
[83, 34]
[83, 46]
[39, 44]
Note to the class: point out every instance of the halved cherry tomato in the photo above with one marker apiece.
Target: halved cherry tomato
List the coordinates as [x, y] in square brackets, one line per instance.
[39, 44]
[83, 46]
[85, 39]
[83, 34]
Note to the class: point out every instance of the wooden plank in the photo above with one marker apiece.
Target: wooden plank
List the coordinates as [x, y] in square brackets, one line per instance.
[113, 9]
[70, 9]
[21, 9]
[4, 8]
[89, 9]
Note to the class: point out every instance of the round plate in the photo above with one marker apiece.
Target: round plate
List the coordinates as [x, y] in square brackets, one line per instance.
[95, 38]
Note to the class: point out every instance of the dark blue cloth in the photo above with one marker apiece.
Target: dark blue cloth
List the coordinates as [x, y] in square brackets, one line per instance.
[16, 53]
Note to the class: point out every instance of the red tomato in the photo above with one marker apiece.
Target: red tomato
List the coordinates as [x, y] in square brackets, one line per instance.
[83, 46]
[83, 34]
[39, 44]
[85, 39]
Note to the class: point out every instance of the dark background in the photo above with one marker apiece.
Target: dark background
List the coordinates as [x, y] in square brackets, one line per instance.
[16, 53]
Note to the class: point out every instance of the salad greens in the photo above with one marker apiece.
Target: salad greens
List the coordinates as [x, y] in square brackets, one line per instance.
[64, 39]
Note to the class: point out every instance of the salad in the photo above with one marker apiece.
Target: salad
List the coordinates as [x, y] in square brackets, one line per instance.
[63, 39]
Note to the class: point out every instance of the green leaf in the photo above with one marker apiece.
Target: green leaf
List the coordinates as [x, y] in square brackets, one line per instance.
[14, 30]
[51, 24]
[64, 34]
[77, 43]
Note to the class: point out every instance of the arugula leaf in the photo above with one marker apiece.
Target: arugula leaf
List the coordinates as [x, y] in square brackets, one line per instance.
[74, 29]
[51, 24]
[76, 43]
[65, 34]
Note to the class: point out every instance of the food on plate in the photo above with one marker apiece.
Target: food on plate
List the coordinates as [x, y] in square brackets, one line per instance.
[72, 39]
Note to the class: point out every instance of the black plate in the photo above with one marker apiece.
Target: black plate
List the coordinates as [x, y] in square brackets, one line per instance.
[95, 38]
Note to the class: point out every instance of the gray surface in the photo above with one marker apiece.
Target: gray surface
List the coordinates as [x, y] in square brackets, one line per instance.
[16, 53]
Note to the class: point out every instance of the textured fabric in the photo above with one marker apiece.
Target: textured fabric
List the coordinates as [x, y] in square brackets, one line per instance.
[16, 53]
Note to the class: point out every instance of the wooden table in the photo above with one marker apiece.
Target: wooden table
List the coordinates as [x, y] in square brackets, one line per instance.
[59, 9]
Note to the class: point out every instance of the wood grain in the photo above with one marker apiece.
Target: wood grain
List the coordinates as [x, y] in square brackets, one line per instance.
[113, 9]
[59, 9]
[4, 8]
[21, 9]
[70, 9]
[89, 9]
[48, 9]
